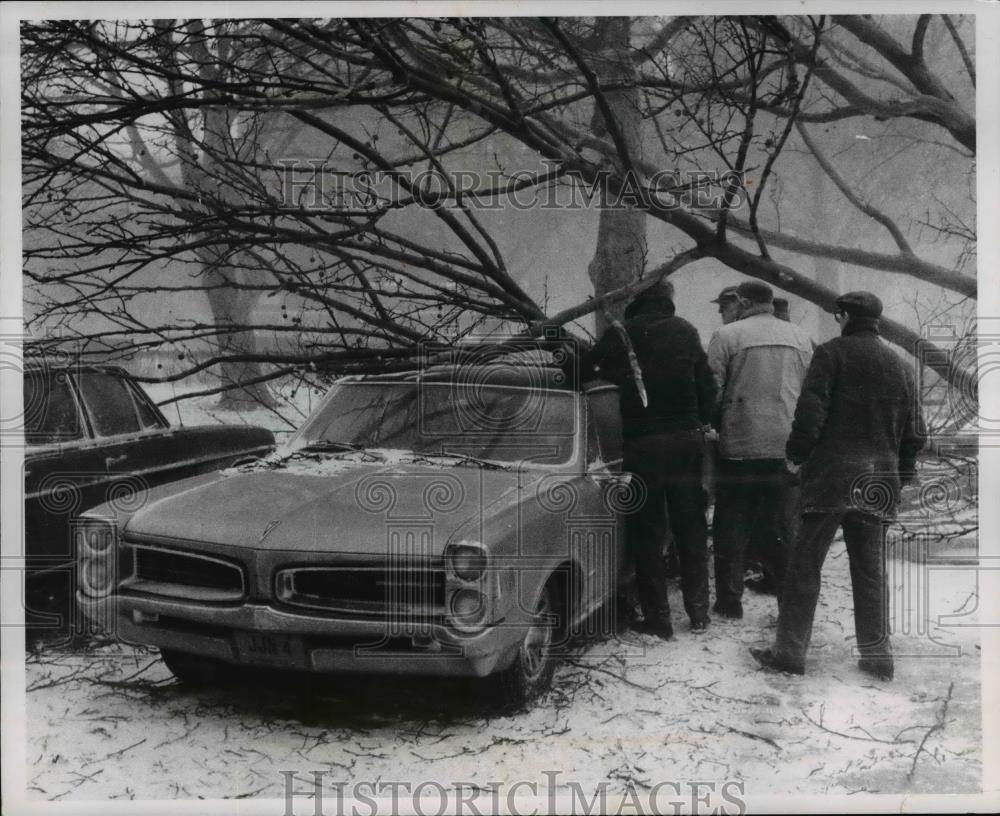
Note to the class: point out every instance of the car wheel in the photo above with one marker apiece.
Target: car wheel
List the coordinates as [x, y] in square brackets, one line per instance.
[531, 672]
[196, 670]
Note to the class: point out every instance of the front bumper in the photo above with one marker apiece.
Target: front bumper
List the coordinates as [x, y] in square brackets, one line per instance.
[307, 642]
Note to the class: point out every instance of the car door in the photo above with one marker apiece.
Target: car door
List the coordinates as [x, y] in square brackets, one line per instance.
[199, 449]
[63, 469]
[613, 495]
[593, 528]
[121, 442]
[140, 449]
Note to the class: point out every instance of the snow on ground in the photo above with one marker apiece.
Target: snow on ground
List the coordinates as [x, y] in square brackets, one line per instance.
[112, 723]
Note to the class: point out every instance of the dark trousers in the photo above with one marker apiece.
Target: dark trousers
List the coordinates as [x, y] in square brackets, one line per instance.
[669, 467]
[864, 536]
[754, 497]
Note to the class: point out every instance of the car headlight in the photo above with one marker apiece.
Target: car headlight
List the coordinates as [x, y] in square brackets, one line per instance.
[468, 609]
[467, 560]
[471, 596]
[96, 548]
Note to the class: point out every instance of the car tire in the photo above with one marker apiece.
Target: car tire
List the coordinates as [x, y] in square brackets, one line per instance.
[530, 674]
[195, 670]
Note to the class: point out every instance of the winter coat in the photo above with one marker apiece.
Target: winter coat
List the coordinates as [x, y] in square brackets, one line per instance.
[679, 384]
[858, 426]
[759, 363]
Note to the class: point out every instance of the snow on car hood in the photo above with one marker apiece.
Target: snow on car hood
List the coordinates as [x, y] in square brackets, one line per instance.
[350, 503]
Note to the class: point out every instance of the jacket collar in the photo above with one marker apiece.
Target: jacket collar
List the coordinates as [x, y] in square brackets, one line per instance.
[860, 324]
[757, 309]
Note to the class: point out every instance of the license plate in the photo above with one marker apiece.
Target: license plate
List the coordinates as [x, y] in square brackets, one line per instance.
[270, 650]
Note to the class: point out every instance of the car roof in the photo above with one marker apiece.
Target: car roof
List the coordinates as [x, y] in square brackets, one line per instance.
[61, 364]
[528, 375]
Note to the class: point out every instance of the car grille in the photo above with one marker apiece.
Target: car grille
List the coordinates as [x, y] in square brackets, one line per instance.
[366, 591]
[161, 566]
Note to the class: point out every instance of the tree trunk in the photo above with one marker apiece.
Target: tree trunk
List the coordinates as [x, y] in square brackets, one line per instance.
[620, 253]
[232, 306]
[225, 270]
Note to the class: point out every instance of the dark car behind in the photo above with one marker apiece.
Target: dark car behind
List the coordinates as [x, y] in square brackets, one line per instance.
[92, 435]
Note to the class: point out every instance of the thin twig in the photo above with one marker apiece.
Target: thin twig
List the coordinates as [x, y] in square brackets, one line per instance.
[750, 735]
[620, 677]
[939, 725]
[970, 65]
[121, 751]
[848, 736]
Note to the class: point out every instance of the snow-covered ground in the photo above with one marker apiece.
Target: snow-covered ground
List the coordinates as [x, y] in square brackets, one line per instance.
[112, 723]
[633, 711]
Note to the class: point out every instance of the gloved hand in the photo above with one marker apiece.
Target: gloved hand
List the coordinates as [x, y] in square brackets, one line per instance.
[792, 471]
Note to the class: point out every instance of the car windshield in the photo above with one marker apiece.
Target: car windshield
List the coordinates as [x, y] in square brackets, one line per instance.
[468, 421]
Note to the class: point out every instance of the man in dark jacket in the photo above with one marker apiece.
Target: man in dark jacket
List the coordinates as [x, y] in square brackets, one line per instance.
[663, 447]
[856, 435]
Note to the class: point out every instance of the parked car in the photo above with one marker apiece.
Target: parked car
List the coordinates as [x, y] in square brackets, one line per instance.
[455, 522]
[92, 436]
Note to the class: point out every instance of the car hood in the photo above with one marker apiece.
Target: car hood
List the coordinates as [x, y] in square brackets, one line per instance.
[329, 504]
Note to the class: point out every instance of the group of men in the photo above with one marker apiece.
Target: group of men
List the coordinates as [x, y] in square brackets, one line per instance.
[805, 434]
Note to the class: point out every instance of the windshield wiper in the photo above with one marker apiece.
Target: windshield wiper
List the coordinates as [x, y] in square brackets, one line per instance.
[464, 458]
[333, 445]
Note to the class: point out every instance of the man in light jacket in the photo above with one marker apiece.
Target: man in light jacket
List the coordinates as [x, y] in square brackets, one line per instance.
[759, 363]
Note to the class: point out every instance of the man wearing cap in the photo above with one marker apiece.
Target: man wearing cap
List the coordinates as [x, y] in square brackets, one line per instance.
[663, 448]
[856, 435]
[729, 312]
[729, 305]
[759, 363]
